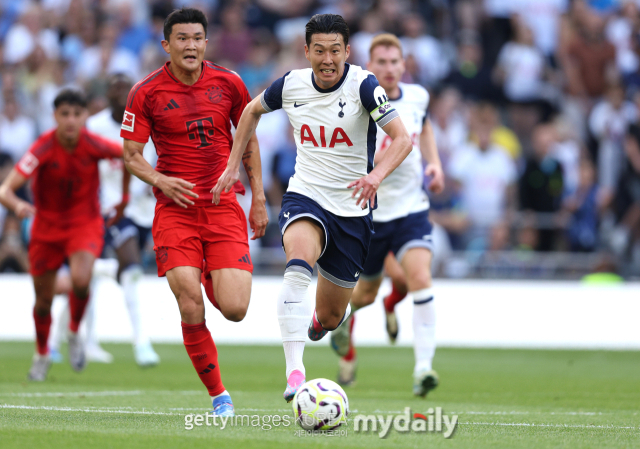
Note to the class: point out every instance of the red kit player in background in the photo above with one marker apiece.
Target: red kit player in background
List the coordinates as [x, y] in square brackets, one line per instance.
[187, 108]
[63, 164]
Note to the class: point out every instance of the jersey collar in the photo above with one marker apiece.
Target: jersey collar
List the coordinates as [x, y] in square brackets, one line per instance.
[337, 85]
[166, 69]
[398, 97]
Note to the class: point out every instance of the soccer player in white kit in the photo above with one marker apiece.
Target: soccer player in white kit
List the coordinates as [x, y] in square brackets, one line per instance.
[130, 224]
[401, 220]
[334, 109]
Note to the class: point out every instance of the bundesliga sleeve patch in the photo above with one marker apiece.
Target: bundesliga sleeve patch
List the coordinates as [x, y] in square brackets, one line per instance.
[128, 121]
[28, 163]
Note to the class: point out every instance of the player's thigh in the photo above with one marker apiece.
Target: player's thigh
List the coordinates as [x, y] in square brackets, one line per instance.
[128, 253]
[365, 291]
[44, 286]
[232, 290]
[184, 282]
[81, 268]
[416, 263]
[394, 270]
[304, 239]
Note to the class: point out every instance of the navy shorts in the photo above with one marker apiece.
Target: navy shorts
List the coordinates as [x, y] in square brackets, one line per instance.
[397, 236]
[123, 230]
[346, 238]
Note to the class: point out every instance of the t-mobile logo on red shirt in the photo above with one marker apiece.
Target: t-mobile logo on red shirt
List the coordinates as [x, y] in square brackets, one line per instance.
[127, 121]
[198, 126]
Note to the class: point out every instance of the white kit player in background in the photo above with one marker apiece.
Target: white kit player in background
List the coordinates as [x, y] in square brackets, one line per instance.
[401, 221]
[128, 234]
[334, 109]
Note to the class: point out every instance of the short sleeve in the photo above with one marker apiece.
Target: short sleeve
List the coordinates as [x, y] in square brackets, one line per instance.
[375, 100]
[271, 98]
[102, 148]
[33, 158]
[136, 124]
[240, 100]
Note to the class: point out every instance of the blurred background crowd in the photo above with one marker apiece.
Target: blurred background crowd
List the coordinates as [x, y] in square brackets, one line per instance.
[535, 105]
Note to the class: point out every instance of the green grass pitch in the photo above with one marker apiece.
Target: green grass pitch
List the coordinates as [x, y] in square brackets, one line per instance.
[504, 399]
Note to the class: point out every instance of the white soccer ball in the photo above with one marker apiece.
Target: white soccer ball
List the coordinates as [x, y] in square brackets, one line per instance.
[320, 404]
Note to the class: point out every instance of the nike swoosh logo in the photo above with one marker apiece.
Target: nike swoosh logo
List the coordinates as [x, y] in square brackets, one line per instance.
[292, 302]
[296, 105]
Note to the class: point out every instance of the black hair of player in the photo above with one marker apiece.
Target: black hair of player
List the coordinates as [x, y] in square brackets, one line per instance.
[326, 24]
[184, 15]
[71, 97]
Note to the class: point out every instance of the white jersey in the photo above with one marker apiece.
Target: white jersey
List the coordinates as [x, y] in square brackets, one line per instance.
[402, 193]
[142, 203]
[334, 130]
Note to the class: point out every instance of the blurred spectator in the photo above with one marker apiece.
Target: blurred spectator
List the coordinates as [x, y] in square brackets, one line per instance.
[133, 36]
[608, 122]
[583, 206]
[17, 131]
[621, 32]
[433, 64]
[283, 166]
[471, 76]
[24, 36]
[234, 42]
[541, 184]
[370, 25]
[485, 176]
[567, 151]
[487, 115]
[543, 18]
[258, 69]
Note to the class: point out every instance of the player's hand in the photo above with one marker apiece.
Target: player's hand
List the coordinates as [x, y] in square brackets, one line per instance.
[24, 210]
[369, 185]
[178, 190]
[117, 216]
[225, 182]
[258, 218]
[436, 185]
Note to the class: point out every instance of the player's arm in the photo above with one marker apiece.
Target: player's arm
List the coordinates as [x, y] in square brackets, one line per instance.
[244, 132]
[258, 217]
[10, 200]
[430, 154]
[398, 150]
[174, 188]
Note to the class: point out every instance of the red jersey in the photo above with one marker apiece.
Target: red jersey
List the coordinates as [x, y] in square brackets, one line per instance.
[190, 125]
[65, 184]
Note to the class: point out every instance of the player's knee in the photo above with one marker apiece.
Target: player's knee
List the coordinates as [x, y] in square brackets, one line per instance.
[81, 288]
[42, 307]
[235, 313]
[330, 319]
[191, 309]
[419, 279]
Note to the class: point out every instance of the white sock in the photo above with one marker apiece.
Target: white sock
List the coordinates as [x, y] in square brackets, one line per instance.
[221, 394]
[294, 313]
[89, 319]
[59, 325]
[129, 279]
[424, 328]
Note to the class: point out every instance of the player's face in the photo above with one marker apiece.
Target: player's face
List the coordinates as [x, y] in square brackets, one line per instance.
[70, 119]
[186, 46]
[387, 65]
[327, 55]
[118, 92]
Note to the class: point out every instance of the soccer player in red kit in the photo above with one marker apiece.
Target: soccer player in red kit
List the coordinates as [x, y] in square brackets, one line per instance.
[187, 108]
[63, 164]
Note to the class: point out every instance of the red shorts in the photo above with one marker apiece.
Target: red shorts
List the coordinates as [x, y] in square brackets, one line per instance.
[49, 248]
[217, 234]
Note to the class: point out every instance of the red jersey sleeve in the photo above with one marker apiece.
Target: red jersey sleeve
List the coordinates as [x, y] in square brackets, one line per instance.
[35, 156]
[240, 100]
[136, 123]
[102, 148]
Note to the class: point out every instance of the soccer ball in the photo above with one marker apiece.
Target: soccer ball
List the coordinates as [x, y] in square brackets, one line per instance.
[320, 404]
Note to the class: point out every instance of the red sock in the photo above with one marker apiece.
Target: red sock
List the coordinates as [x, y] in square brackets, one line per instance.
[393, 298]
[76, 310]
[204, 356]
[208, 289]
[352, 349]
[43, 324]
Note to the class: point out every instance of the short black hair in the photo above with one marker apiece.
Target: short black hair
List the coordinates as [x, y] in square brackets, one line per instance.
[326, 24]
[71, 97]
[184, 15]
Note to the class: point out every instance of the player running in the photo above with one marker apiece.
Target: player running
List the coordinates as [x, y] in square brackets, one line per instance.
[334, 108]
[187, 108]
[401, 220]
[67, 222]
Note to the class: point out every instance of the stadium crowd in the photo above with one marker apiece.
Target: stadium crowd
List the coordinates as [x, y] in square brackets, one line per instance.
[535, 103]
